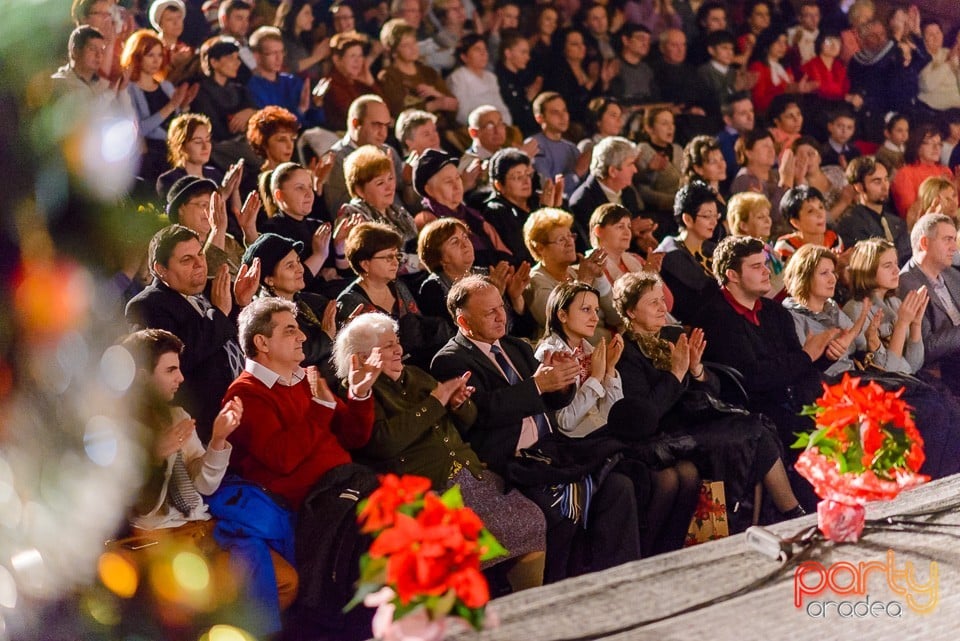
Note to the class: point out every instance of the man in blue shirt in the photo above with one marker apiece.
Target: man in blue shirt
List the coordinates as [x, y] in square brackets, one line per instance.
[557, 156]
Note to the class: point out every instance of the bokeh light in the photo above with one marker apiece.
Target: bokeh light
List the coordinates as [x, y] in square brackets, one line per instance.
[191, 571]
[118, 574]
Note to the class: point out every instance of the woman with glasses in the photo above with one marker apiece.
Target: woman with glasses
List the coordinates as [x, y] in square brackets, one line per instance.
[550, 241]
[373, 252]
[514, 197]
[372, 185]
[687, 267]
[922, 157]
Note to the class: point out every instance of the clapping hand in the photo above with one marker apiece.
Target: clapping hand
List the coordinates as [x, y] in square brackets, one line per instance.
[247, 282]
[226, 422]
[363, 374]
[318, 385]
[172, 439]
[697, 345]
[556, 372]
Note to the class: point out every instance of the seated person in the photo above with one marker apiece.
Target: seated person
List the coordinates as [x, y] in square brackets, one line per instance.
[372, 185]
[196, 204]
[605, 117]
[272, 133]
[922, 160]
[718, 76]
[408, 83]
[748, 214]
[416, 430]
[472, 84]
[896, 132]
[175, 301]
[437, 180]
[803, 206]
[519, 81]
[787, 119]
[416, 131]
[368, 123]
[934, 242]
[811, 280]
[269, 85]
[188, 152]
[293, 190]
[294, 429]
[445, 250]
[874, 275]
[513, 198]
[658, 165]
[831, 181]
[155, 100]
[547, 233]
[611, 231]
[757, 155]
[350, 78]
[841, 125]
[515, 397]
[281, 275]
[870, 216]
[557, 156]
[373, 252]
[661, 363]
[634, 84]
[687, 266]
[226, 102]
[613, 165]
[181, 470]
[759, 339]
[703, 160]
[167, 18]
[573, 312]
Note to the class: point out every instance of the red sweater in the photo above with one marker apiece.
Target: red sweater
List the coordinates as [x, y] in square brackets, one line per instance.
[834, 84]
[286, 441]
[905, 186]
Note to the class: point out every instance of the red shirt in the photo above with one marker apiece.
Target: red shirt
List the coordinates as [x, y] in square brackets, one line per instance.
[834, 84]
[751, 315]
[286, 441]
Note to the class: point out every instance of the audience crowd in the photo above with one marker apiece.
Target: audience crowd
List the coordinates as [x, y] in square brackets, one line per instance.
[574, 256]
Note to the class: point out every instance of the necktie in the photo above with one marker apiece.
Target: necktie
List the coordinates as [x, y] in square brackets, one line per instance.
[181, 492]
[886, 228]
[543, 426]
[202, 304]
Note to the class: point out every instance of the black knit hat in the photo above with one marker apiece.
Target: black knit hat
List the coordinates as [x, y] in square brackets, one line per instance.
[427, 166]
[184, 189]
[270, 248]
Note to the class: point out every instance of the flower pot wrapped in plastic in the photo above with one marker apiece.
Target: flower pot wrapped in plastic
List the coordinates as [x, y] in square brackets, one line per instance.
[865, 447]
[422, 571]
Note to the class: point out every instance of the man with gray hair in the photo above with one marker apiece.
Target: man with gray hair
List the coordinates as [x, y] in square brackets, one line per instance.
[294, 429]
[612, 168]
[934, 242]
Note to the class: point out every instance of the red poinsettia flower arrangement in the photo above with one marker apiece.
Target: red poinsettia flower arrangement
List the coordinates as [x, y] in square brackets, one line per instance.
[866, 447]
[427, 552]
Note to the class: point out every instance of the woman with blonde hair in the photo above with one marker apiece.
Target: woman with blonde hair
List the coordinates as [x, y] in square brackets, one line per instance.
[748, 214]
[549, 239]
[937, 195]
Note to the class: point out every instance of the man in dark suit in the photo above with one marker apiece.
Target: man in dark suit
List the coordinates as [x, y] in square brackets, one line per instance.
[175, 301]
[515, 397]
[934, 241]
[612, 168]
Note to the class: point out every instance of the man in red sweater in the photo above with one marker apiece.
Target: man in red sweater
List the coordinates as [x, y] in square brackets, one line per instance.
[293, 430]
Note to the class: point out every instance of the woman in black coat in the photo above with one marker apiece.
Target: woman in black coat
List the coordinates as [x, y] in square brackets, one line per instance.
[661, 364]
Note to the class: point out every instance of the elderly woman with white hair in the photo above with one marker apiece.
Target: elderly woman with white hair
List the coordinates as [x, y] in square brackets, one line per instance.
[416, 432]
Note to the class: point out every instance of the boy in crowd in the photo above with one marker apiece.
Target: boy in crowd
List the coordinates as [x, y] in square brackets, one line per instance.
[841, 126]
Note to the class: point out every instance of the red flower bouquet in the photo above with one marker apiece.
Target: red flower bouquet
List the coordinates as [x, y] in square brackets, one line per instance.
[865, 447]
[424, 563]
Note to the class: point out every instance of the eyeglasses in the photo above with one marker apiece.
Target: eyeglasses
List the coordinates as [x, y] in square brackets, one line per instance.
[490, 126]
[399, 257]
[565, 239]
[709, 216]
[521, 177]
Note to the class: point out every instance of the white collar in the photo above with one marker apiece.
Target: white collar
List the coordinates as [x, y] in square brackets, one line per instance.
[269, 377]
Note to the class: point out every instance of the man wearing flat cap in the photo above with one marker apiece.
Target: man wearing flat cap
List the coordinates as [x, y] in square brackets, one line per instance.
[437, 180]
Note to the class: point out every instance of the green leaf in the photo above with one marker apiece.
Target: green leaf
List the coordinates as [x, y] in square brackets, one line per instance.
[491, 545]
[452, 498]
